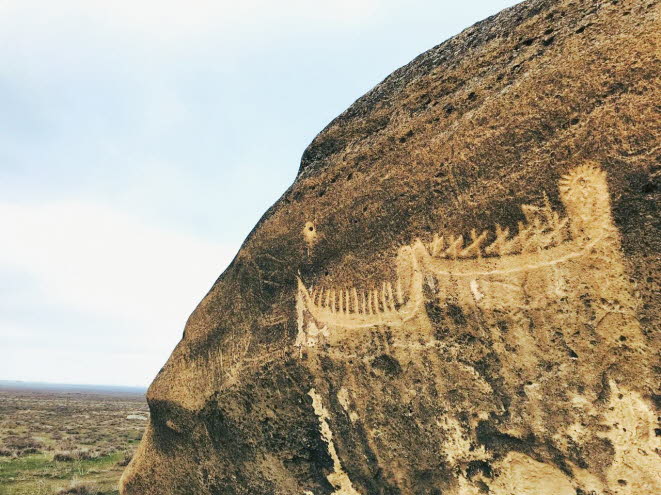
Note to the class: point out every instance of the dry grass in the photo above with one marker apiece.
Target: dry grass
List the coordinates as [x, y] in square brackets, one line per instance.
[79, 488]
[65, 442]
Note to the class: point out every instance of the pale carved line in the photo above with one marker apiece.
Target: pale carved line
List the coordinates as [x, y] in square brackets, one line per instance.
[543, 240]
[378, 306]
[338, 478]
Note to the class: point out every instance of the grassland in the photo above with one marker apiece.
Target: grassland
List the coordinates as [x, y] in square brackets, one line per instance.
[67, 442]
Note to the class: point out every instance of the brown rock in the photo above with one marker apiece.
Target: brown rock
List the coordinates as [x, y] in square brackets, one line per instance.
[358, 345]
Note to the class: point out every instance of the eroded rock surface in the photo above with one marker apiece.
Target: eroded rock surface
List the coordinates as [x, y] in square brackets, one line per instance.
[459, 293]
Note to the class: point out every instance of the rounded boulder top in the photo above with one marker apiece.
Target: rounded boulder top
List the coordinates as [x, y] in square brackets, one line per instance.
[457, 295]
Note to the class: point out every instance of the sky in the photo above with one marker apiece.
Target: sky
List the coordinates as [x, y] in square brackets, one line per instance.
[141, 140]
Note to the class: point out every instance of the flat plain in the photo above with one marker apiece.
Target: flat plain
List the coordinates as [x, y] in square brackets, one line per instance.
[67, 440]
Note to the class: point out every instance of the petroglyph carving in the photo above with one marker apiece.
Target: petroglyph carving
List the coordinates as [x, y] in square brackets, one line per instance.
[312, 336]
[559, 280]
[338, 478]
[389, 304]
[630, 426]
[310, 235]
[550, 258]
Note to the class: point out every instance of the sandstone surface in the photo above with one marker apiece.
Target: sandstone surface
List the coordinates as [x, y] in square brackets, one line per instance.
[459, 293]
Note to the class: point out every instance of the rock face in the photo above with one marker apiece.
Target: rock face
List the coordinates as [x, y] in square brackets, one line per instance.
[459, 293]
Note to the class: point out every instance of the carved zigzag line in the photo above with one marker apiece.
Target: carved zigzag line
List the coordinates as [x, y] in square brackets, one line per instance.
[544, 238]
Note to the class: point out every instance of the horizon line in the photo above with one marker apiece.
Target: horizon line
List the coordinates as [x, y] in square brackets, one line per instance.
[71, 385]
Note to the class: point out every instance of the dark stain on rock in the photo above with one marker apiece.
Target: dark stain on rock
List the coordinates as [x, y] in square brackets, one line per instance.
[456, 314]
[479, 467]
[388, 364]
[496, 441]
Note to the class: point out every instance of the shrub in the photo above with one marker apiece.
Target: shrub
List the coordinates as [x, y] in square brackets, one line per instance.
[74, 455]
[29, 450]
[124, 461]
[63, 457]
[16, 442]
[85, 454]
[78, 488]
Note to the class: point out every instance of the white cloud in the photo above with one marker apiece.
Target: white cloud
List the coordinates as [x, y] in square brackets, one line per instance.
[132, 284]
[91, 259]
[70, 365]
[180, 16]
[177, 19]
[156, 104]
[11, 331]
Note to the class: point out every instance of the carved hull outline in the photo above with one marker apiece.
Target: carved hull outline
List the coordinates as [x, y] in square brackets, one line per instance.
[369, 308]
[543, 241]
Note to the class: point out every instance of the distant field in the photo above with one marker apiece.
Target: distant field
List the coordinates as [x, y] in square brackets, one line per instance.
[72, 440]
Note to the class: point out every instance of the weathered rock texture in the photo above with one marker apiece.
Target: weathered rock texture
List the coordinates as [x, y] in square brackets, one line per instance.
[358, 345]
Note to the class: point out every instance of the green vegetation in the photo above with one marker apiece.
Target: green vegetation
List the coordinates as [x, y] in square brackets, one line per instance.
[26, 475]
[66, 443]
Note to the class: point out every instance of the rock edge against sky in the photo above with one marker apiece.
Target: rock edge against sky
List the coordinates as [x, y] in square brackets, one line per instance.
[457, 295]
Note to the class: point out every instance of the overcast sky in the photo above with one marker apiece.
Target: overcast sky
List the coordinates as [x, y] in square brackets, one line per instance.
[141, 140]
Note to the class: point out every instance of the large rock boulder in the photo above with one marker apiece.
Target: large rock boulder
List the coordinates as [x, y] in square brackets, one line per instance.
[457, 295]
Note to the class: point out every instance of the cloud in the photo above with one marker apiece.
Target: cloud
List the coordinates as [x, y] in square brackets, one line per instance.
[174, 20]
[93, 285]
[174, 113]
[92, 258]
[69, 365]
